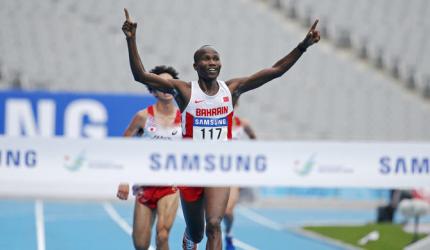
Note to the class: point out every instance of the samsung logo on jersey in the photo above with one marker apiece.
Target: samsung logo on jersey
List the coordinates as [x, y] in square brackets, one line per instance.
[401, 165]
[208, 163]
[18, 158]
[210, 122]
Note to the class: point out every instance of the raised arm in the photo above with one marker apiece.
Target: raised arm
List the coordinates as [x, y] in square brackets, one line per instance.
[137, 68]
[240, 85]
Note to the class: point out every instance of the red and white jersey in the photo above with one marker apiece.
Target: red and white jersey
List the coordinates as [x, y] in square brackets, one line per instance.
[238, 131]
[421, 194]
[154, 130]
[208, 117]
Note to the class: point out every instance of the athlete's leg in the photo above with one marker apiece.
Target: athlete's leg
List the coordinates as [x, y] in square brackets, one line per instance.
[216, 199]
[229, 216]
[142, 223]
[194, 218]
[166, 213]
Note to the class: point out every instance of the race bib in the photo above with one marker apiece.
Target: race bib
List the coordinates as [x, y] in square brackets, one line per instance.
[210, 128]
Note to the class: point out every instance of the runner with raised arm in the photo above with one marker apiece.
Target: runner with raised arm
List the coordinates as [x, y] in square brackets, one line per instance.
[208, 99]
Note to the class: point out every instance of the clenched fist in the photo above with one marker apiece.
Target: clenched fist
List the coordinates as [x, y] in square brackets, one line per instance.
[123, 191]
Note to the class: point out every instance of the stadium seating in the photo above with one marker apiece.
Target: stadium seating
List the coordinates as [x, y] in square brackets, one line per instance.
[392, 34]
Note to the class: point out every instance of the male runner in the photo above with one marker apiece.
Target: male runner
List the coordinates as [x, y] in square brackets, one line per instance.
[160, 121]
[202, 101]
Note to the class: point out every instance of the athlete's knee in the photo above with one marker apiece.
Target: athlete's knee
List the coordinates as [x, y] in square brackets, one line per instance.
[196, 235]
[213, 226]
[228, 213]
[162, 236]
[140, 242]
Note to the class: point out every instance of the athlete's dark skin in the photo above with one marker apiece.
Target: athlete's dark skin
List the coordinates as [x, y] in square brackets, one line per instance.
[212, 205]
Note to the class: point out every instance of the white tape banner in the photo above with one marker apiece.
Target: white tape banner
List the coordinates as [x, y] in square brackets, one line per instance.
[60, 167]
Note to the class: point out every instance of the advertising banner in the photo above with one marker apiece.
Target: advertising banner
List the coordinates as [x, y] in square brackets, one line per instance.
[95, 167]
[41, 113]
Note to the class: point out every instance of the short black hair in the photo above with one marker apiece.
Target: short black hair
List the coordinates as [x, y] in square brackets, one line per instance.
[160, 69]
[198, 52]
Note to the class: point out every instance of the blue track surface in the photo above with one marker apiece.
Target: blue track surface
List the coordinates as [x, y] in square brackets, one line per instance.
[84, 225]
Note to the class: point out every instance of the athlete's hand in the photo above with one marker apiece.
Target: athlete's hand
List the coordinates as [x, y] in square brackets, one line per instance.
[129, 27]
[123, 190]
[312, 37]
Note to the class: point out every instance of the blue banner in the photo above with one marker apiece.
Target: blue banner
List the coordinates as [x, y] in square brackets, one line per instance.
[68, 114]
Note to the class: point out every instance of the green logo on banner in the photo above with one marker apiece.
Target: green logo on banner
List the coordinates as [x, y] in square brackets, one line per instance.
[305, 168]
[74, 164]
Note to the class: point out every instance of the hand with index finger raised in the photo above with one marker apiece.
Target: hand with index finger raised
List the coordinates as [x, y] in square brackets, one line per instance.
[129, 27]
[127, 16]
[312, 37]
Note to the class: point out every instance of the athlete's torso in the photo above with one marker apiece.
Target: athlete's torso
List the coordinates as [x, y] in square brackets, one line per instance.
[153, 129]
[208, 117]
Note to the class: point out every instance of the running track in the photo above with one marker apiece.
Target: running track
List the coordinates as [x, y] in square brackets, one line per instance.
[51, 225]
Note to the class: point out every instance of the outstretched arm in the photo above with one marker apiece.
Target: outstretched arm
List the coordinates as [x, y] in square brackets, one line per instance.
[240, 85]
[137, 68]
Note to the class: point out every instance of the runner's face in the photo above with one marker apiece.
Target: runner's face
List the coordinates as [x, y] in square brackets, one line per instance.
[160, 95]
[208, 65]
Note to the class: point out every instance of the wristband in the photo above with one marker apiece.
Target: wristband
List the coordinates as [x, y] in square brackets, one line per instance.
[302, 47]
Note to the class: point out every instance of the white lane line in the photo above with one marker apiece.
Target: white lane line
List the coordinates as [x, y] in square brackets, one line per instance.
[238, 243]
[254, 216]
[258, 218]
[243, 245]
[40, 225]
[114, 215]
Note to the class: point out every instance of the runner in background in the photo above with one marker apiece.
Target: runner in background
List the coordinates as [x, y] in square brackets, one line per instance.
[160, 121]
[241, 130]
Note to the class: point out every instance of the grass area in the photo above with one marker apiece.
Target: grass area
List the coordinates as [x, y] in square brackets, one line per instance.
[391, 236]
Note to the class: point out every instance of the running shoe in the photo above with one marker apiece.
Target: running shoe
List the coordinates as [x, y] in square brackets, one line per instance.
[188, 244]
[229, 243]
